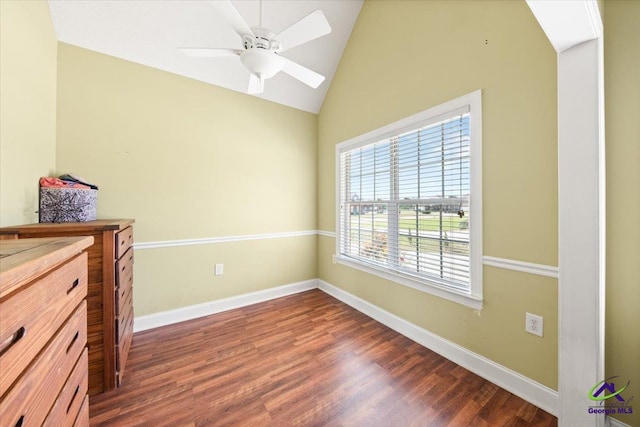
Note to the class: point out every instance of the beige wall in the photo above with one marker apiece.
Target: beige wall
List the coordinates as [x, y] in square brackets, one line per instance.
[404, 57]
[180, 156]
[189, 160]
[622, 114]
[27, 106]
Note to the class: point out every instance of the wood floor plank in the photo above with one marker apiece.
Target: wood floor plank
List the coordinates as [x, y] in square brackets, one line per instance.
[302, 360]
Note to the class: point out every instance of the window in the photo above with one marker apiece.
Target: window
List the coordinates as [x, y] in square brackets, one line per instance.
[410, 201]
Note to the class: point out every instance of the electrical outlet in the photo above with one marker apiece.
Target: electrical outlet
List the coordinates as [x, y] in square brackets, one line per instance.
[219, 269]
[534, 324]
[333, 258]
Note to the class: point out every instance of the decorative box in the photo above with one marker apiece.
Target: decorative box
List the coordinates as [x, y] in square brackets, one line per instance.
[67, 204]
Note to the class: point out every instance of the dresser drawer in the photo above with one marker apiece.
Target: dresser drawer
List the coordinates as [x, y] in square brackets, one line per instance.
[31, 317]
[124, 240]
[71, 398]
[125, 318]
[124, 269]
[124, 297]
[82, 420]
[125, 336]
[28, 402]
[124, 345]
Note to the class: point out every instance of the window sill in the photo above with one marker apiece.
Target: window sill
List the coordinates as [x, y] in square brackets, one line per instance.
[423, 286]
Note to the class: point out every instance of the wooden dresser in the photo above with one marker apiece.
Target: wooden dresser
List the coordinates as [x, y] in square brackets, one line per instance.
[43, 332]
[110, 292]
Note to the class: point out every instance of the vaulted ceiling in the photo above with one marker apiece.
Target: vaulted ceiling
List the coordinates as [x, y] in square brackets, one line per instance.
[149, 32]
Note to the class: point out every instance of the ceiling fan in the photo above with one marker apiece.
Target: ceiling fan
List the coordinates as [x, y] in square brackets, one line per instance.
[262, 48]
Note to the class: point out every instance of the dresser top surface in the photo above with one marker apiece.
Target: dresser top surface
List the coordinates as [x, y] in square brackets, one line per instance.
[23, 259]
[71, 227]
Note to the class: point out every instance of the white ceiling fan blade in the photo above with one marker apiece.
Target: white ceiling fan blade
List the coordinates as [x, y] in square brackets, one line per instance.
[231, 15]
[308, 28]
[305, 75]
[205, 52]
[256, 85]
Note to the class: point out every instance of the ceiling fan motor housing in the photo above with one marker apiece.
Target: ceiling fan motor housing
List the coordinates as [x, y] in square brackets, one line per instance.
[260, 55]
[261, 38]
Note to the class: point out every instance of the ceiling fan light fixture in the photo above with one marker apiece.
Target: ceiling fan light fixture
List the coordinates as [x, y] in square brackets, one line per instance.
[262, 62]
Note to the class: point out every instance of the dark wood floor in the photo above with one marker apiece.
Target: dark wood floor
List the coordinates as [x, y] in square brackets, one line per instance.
[307, 360]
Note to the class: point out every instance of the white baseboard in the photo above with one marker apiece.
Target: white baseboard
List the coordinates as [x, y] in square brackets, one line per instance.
[526, 388]
[155, 320]
[613, 422]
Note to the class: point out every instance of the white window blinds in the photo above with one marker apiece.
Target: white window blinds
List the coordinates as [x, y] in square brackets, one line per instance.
[405, 202]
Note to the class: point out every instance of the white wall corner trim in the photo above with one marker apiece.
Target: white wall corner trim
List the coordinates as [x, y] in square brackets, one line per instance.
[575, 30]
[567, 23]
[526, 388]
[524, 267]
[327, 233]
[155, 320]
[581, 243]
[223, 239]
[616, 423]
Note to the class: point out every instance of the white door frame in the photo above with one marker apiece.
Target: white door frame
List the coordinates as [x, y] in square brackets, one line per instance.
[574, 28]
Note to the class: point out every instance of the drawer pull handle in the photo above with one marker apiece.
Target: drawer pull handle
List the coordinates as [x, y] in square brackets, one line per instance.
[75, 393]
[20, 421]
[9, 342]
[75, 338]
[73, 286]
[123, 267]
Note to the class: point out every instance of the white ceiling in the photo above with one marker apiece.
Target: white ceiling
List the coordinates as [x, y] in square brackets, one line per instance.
[149, 32]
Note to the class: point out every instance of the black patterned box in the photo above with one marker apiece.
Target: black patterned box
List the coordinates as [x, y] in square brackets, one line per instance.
[67, 204]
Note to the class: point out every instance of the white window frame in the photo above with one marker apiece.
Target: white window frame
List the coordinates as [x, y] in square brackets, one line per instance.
[473, 102]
